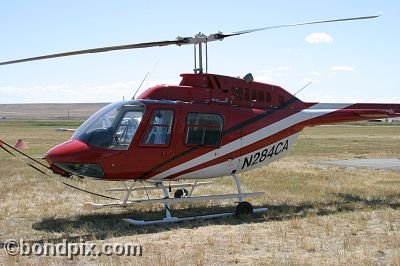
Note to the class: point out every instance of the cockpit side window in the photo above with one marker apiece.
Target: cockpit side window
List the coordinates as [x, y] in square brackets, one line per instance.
[159, 130]
[126, 130]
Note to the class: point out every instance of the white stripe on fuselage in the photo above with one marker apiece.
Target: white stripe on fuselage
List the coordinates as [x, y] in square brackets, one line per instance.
[306, 114]
[257, 158]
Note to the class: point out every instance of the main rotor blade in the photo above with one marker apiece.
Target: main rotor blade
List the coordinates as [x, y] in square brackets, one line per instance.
[200, 38]
[224, 35]
[99, 50]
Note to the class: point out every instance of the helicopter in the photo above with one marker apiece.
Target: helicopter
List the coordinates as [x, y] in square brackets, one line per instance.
[208, 126]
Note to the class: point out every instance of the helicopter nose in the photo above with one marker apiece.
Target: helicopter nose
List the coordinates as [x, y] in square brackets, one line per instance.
[74, 158]
[66, 152]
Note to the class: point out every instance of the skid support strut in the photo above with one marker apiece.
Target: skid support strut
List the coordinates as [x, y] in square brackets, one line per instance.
[239, 188]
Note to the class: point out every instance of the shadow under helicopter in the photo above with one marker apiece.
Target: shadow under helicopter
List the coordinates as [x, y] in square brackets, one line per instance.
[103, 226]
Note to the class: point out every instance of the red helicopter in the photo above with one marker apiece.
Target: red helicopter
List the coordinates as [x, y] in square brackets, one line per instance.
[207, 126]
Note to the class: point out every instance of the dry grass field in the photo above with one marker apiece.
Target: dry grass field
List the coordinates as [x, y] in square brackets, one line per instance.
[319, 214]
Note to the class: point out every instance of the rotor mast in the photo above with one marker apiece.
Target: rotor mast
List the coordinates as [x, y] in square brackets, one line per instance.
[199, 70]
[200, 41]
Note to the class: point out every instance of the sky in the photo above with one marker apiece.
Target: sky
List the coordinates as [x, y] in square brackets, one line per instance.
[356, 61]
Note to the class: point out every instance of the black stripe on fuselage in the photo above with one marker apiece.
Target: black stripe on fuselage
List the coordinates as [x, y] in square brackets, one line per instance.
[173, 158]
[258, 117]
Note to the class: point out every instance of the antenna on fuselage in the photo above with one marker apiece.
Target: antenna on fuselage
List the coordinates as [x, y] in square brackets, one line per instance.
[148, 75]
[309, 83]
[141, 83]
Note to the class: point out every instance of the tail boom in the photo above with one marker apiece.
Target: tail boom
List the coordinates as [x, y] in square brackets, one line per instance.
[353, 112]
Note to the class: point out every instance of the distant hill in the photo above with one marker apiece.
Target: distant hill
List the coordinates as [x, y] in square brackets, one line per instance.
[49, 111]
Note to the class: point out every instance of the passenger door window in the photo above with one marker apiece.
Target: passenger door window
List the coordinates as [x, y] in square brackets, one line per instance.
[203, 129]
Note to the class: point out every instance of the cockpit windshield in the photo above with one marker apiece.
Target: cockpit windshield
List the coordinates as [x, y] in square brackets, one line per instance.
[113, 126]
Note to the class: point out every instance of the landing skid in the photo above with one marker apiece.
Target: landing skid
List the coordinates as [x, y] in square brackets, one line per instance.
[187, 218]
[176, 200]
[185, 196]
